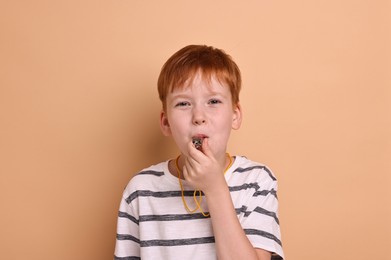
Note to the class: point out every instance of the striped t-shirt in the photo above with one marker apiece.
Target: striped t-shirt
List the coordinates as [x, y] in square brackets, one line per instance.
[154, 224]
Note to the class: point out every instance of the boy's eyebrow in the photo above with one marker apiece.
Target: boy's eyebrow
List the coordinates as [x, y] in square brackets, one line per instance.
[214, 93]
[219, 94]
[180, 95]
[187, 96]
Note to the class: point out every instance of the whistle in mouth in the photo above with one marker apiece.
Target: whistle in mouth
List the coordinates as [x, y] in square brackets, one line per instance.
[197, 143]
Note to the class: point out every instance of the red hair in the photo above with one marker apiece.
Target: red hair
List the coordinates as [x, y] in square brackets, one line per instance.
[183, 65]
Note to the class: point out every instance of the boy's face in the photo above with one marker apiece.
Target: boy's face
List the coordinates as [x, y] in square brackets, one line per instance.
[202, 110]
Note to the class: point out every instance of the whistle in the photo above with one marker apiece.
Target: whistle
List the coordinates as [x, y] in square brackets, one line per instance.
[197, 143]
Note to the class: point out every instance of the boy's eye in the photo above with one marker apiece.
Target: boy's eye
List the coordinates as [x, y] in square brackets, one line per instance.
[182, 104]
[214, 101]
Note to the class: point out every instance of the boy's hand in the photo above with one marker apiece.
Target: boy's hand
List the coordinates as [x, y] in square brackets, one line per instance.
[202, 170]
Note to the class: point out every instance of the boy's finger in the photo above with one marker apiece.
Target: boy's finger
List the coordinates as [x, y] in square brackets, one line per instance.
[205, 147]
[194, 152]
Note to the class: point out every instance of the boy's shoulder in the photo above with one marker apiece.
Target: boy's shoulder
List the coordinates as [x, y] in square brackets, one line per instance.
[252, 168]
[147, 176]
[155, 170]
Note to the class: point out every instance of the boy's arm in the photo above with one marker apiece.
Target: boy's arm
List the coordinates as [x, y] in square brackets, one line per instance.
[231, 241]
[205, 173]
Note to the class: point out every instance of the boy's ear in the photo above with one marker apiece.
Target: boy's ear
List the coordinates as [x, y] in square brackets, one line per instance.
[164, 124]
[237, 117]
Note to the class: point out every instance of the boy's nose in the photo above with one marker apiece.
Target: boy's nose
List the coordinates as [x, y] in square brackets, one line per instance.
[199, 121]
[198, 117]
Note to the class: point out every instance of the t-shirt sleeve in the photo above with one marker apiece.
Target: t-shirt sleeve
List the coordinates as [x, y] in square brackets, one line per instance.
[128, 243]
[261, 223]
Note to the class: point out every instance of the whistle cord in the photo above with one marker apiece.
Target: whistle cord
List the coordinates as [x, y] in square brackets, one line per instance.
[199, 199]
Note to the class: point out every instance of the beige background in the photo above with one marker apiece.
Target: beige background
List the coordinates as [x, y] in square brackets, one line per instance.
[79, 115]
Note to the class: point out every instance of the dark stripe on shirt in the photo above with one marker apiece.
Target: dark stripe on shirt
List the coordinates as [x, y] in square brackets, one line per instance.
[159, 194]
[265, 193]
[179, 217]
[127, 258]
[128, 237]
[245, 186]
[268, 213]
[126, 215]
[178, 242]
[260, 210]
[242, 210]
[194, 216]
[256, 167]
[172, 217]
[262, 234]
[155, 173]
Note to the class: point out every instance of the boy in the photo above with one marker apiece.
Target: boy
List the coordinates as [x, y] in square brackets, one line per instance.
[205, 204]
